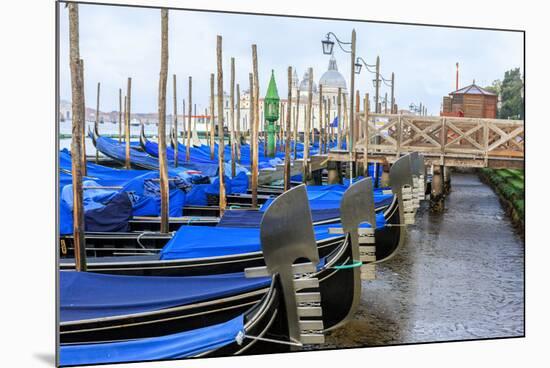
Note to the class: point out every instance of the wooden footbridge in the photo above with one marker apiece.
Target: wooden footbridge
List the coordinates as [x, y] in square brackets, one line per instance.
[444, 141]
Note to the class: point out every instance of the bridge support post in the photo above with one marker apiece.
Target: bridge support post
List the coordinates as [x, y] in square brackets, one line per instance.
[334, 176]
[447, 180]
[437, 196]
[316, 177]
[385, 178]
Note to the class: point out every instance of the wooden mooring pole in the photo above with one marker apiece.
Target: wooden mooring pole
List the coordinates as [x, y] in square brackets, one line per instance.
[238, 123]
[251, 112]
[83, 160]
[175, 121]
[120, 115]
[296, 126]
[190, 113]
[127, 122]
[221, 144]
[212, 128]
[351, 122]
[306, 171]
[77, 88]
[96, 119]
[366, 136]
[340, 120]
[320, 119]
[163, 165]
[255, 127]
[183, 125]
[232, 116]
[287, 136]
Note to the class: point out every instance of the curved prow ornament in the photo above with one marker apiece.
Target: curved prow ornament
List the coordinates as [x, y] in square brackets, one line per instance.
[401, 182]
[142, 137]
[357, 207]
[94, 134]
[286, 235]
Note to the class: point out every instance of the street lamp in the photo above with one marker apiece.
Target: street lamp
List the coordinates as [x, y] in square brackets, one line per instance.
[359, 62]
[414, 108]
[328, 44]
[328, 48]
[358, 67]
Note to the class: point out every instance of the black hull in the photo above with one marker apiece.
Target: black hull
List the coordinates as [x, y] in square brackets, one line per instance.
[265, 319]
[336, 286]
[151, 266]
[163, 322]
[387, 238]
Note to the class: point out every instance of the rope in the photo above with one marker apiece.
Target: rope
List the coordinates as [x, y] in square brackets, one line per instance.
[348, 266]
[148, 233]
[241, 336]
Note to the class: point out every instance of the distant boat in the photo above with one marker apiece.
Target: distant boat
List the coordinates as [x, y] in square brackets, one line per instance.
[134, 122]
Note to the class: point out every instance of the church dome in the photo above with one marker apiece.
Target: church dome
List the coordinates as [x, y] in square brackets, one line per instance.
[332, 77]
[304, 84]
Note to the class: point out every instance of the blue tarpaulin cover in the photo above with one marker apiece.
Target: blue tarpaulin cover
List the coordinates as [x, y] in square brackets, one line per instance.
[113, 149]
[330, 199]
[204, 241]
[85, 295]
[174, 346]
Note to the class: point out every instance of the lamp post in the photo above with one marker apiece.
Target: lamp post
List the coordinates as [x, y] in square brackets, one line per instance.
[328, 48]
[415, 108]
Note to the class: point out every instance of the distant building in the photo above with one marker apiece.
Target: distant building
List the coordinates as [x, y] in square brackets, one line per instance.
[471, 102]
[331, 80]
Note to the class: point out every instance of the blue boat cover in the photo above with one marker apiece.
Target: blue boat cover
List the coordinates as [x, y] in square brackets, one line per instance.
[201, 154]
[251, 218]
[85, 295]
[117, 151]
[111, 209]
[203, 241]
[330, 199]
[104, 210]
[106, 176]
[174, 346]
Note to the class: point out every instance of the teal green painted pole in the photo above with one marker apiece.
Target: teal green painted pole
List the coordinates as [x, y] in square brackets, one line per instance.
[271, 112]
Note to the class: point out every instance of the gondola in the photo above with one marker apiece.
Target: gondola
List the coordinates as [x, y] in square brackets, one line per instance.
[196, 262]
[331, 271]
[105, 314]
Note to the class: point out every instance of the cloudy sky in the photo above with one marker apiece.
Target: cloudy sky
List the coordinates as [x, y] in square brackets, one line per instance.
[120, 42]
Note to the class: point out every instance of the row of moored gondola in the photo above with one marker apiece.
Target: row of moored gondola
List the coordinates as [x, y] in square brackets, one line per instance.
[252, 281]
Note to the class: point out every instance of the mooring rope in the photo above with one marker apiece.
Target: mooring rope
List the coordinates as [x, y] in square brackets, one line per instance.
[241, 336]
[345, 266]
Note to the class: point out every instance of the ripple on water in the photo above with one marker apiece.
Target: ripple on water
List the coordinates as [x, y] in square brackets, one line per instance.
[459, 277]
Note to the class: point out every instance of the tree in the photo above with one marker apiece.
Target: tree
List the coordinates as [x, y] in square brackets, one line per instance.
[495, 87]
[509, 93]
[512, 102]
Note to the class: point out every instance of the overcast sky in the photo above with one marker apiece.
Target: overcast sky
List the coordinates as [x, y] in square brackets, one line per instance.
[120, 42]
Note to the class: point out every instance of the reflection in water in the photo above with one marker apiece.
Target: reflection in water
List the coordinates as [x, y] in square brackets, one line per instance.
[460, 276]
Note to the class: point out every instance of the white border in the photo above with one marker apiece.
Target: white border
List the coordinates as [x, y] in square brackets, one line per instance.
[27, 185]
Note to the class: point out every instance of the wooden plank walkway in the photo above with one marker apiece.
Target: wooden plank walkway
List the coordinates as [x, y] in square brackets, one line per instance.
[449, 141]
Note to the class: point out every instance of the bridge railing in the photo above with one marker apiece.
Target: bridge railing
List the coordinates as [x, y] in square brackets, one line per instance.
[443, 136]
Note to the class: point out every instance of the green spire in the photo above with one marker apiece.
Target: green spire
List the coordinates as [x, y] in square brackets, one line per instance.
[271, 113]
[272, 93]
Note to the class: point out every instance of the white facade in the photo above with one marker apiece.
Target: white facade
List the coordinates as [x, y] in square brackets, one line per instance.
[331, 80]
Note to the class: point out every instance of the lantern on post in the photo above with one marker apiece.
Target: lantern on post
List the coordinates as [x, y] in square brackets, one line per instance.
[271, 114]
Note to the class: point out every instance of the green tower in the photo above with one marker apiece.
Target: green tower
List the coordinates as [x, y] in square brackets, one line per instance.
[271, 113]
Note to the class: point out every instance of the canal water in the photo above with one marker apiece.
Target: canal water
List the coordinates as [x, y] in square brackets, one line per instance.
[458, 277]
